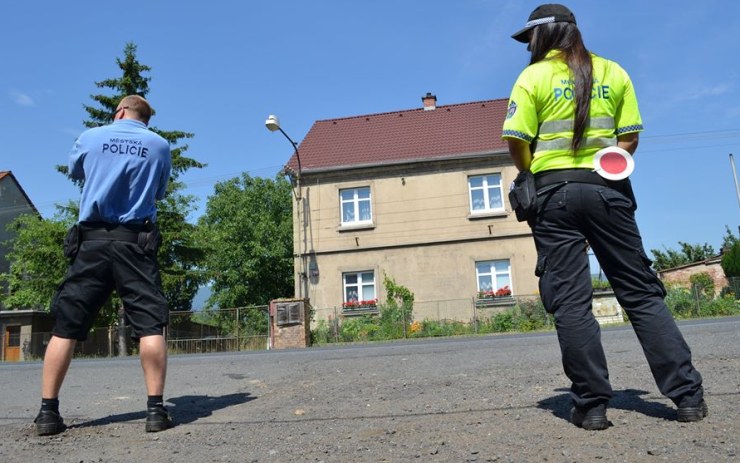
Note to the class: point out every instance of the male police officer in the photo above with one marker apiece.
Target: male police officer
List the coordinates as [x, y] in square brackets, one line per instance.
[125, 168]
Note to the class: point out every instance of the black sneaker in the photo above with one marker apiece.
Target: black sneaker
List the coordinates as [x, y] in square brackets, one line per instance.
[693, 413]
[49, 423]
[158, 419]
[592, 419]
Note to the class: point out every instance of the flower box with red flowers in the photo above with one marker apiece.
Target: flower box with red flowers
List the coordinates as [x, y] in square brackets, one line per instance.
[490, 297]
[360, 305]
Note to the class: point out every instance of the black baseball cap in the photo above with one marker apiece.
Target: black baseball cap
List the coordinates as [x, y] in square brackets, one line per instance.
[544, 14]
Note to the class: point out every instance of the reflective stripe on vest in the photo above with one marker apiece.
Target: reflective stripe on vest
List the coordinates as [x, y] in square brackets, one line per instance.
[553, 127]
[567, 125]
[564, 143]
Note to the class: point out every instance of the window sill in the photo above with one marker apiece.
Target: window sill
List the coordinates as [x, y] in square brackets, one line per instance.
[500, 301]
[355, 227]
[488, 215]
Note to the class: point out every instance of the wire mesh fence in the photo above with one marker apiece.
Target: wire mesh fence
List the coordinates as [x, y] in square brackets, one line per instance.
[225, 330]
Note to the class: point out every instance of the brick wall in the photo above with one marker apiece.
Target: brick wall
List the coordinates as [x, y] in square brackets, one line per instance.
[680, 276]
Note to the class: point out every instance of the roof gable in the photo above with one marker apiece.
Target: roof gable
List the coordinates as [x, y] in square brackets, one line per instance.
[8, 176]
[450, 131]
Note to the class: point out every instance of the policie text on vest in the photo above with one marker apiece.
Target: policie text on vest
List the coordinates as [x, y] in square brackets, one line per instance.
[567, 92]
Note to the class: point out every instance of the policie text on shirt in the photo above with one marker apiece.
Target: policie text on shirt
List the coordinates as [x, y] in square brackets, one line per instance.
[121, 146]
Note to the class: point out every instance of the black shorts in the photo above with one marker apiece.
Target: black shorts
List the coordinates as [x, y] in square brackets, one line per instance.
[99, 267]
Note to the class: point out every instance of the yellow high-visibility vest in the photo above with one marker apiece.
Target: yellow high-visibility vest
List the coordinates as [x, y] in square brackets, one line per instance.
[542, 107]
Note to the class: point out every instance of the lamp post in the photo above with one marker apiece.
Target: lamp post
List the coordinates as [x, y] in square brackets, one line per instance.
[273, 124]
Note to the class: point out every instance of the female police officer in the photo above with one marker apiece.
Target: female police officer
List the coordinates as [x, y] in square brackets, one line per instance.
[564, 107]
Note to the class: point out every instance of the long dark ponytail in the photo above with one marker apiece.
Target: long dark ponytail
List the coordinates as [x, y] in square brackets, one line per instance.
[567, 38]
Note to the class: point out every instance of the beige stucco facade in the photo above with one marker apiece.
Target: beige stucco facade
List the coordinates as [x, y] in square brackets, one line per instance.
[422, 234]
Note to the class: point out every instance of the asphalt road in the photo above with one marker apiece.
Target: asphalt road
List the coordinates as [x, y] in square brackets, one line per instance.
[493, 398]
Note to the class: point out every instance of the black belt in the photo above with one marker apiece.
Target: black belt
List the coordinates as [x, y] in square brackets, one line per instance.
[111, 233]
[552, 177]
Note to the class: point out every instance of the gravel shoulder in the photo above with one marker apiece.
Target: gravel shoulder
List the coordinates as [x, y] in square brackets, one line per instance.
[494, 398]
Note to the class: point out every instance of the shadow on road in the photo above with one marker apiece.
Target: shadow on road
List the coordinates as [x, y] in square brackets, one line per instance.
[628, 399]
[187, 408]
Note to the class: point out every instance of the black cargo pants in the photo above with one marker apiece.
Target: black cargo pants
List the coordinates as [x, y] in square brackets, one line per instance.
[569, 216]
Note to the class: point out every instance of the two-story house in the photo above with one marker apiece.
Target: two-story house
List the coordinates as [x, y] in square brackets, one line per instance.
[419, 195]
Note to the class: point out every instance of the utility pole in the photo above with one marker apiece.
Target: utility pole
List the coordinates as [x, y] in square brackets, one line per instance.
[734, 175]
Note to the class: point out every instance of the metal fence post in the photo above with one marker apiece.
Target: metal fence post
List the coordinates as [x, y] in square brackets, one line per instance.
[335, 326]
[475, 318]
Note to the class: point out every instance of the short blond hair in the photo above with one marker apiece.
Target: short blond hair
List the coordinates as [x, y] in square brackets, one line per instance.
[138, 105]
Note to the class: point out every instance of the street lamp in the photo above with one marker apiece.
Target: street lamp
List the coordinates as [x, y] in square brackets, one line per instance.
[273, 123]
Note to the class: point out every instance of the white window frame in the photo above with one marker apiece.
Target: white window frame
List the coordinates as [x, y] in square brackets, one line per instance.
[493, 273]
[486, 188]
[359, 286]
[355, 202]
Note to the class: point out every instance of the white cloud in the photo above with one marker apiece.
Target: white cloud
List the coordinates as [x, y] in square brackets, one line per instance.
[702, 92]
[21, 99]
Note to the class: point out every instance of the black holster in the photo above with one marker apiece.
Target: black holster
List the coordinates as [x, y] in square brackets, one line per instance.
[150, 239]
[71, 242]
[523, 196]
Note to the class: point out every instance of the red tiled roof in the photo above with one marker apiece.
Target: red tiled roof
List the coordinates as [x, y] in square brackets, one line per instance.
[449, 131]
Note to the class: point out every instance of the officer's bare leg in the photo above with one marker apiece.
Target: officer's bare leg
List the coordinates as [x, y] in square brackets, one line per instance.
[56, 363]
[153, 356]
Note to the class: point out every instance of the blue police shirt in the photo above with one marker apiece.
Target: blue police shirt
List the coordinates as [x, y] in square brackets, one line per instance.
[125, 167]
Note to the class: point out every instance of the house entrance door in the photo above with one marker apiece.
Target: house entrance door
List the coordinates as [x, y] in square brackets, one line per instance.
[12, 344]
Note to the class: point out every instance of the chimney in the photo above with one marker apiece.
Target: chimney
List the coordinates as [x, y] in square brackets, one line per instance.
[430, 102]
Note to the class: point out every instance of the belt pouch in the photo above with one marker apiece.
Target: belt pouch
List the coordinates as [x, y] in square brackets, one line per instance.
[523, 196]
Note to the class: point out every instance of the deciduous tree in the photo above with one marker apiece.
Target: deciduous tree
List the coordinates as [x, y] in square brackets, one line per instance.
[247, 232]
[689, 253]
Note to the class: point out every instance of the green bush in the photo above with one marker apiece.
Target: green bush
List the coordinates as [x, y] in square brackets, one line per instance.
[731, 261]
[680, 302]
[499, 323]
[728, 291]
[684, 303]
[322, 334]
[720, 307]
[392, 321]
[531, 315]
[702, 284]
[434, 328]
[358, 329]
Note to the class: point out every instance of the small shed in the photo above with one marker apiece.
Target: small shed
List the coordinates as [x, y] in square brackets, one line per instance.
[25, 334]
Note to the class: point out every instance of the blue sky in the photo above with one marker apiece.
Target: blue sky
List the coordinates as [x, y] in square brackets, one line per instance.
[219, 68]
